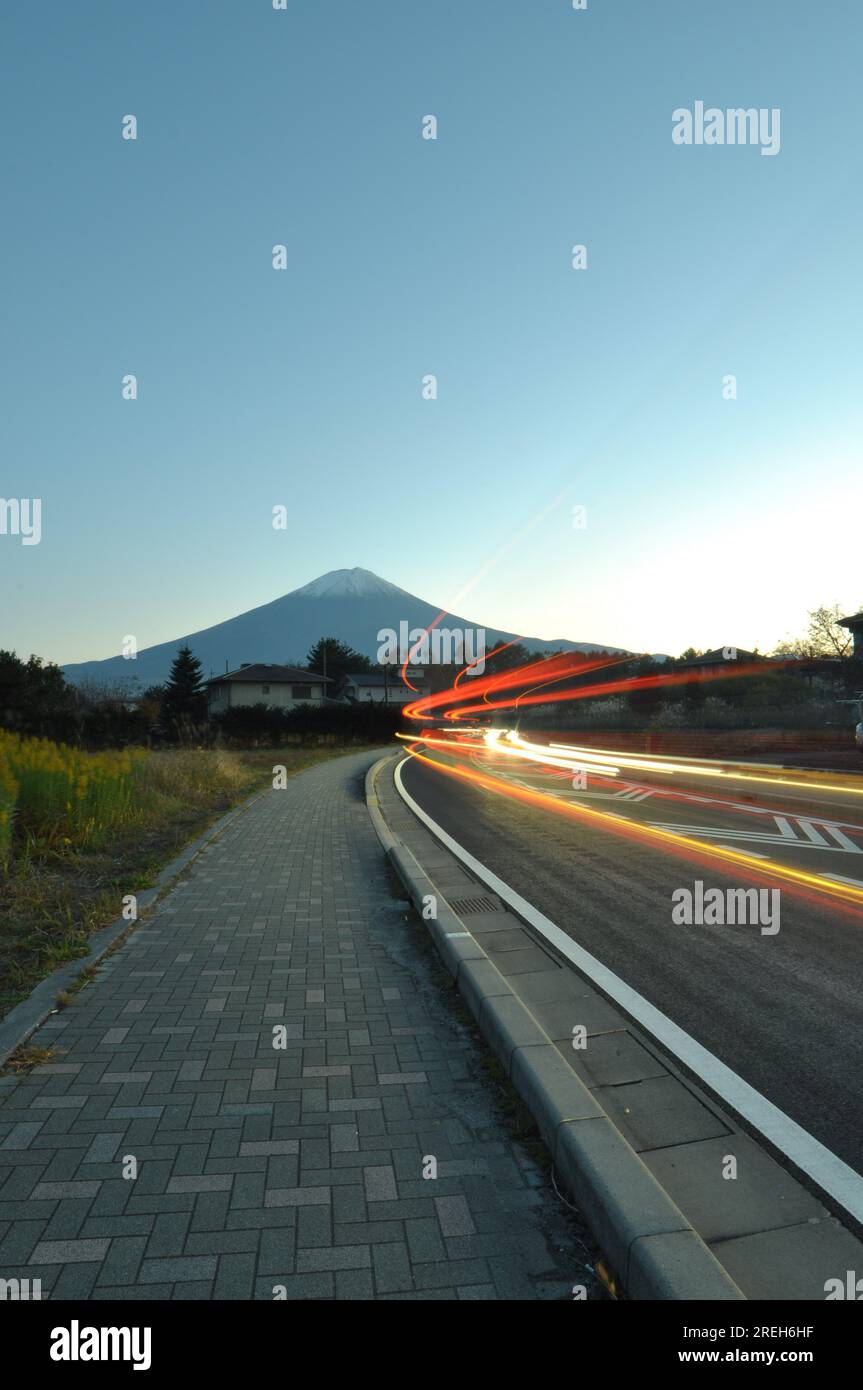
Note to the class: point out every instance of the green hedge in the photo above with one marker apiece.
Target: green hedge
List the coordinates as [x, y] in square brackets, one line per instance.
[264, 724]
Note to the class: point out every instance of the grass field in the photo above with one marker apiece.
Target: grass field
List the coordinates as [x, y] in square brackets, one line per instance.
[79, 831]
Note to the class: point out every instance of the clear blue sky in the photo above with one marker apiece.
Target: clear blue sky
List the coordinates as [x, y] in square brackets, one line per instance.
[709, 521]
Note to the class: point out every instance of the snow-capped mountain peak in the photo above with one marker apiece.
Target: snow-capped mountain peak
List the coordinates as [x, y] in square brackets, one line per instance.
[353, 605]
[354, 583]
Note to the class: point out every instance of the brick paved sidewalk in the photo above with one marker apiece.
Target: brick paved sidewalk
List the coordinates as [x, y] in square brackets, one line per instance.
[258, 1167]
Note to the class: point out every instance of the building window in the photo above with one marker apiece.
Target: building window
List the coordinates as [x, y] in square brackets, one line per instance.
[301, 692]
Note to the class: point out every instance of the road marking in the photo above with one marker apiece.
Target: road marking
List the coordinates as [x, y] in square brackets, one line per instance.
[629, 792]
[637, 792]
[753, 854]
[809, 830]
[812, 1157]
[636, 828]
[858, 883]
[827, 822]
[752, 837]
[842, 839]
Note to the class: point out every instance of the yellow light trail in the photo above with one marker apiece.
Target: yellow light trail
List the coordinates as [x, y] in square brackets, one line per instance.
[697, 767]
[619, 825]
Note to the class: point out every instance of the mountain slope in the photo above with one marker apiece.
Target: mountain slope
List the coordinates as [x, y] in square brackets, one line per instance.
[351, 604]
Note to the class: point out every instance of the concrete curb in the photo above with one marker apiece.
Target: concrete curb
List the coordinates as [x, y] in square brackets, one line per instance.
[380, 825]
[650, 1244]
[24, 1019]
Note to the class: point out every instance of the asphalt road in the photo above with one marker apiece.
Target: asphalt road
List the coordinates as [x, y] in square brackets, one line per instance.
[783, 1010]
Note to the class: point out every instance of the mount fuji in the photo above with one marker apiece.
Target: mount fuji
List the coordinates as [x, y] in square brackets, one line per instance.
[353, 605]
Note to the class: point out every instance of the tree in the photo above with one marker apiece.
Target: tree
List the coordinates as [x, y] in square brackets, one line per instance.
[34, 697]
[93, 693]
[150, 703]
[516, 654]
[645, 702]
[824, 637]
[336, 660]
[184, 703]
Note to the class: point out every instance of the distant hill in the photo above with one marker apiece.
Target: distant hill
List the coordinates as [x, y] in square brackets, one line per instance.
[351, 604]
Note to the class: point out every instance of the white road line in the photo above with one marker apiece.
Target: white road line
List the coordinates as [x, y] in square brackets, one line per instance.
[747, 837]
[842, 839]
[858, 883]
[714, 830]
[812, 1157]
[824, 821]
[784, 828]
[627, 794]
[814, 835]
[750, 853]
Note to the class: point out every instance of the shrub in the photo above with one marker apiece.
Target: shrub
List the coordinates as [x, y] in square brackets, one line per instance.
[60, 792]
[268, 726]
[8, 799]
[672, 716]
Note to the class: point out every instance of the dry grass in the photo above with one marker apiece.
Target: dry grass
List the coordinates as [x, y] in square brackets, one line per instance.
[56, 892]
[25, 1058]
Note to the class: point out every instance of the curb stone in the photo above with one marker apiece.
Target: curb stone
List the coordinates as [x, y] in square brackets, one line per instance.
[649, 1242]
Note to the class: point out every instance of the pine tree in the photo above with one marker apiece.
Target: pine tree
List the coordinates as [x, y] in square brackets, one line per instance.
[334, 659]
[184, 703]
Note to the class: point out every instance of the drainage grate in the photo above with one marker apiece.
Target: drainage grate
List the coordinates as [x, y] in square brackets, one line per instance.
[464, 906]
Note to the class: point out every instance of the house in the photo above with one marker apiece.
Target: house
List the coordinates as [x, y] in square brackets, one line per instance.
[854, 625]
[387, 687]
[720, 657]
[254, 683]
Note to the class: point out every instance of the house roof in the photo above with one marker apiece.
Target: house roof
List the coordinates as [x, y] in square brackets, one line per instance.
[855, 620]
[372, 678]
[721, 656]
[273, 675]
